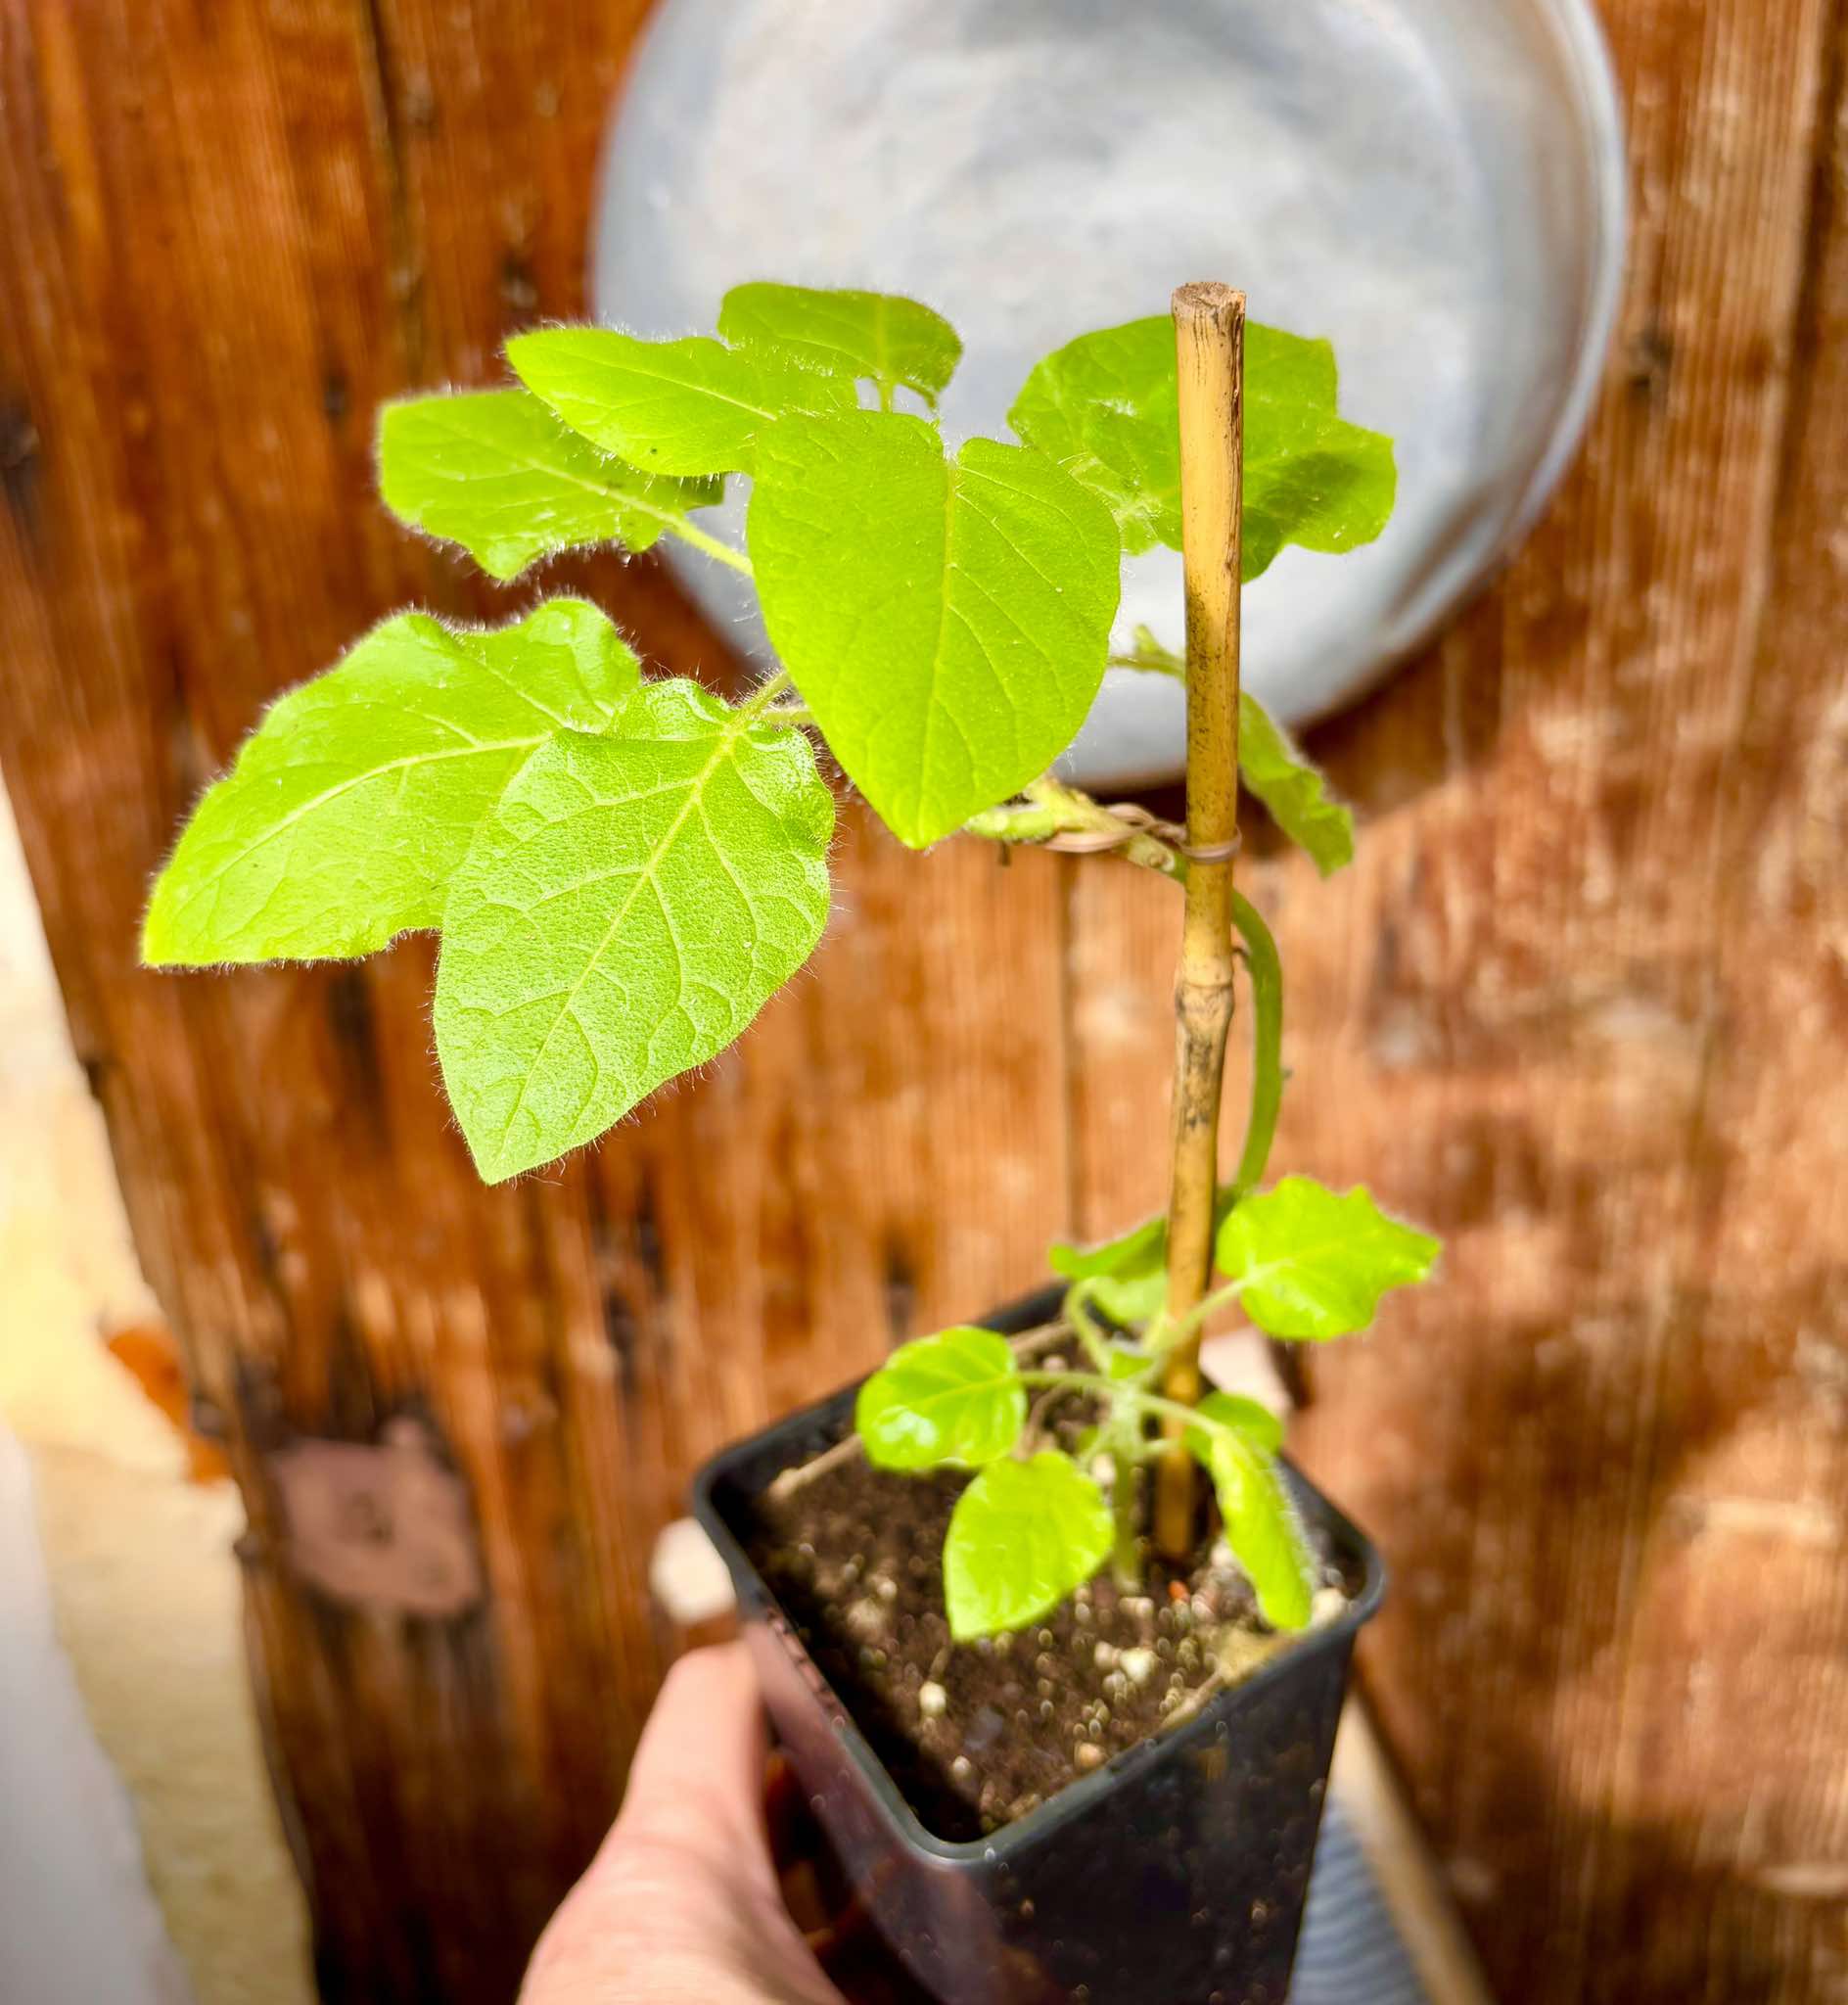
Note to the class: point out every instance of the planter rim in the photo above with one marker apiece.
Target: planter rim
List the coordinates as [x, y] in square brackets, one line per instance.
[1076, 1798]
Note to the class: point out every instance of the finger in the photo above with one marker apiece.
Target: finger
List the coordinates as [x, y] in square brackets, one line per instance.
[698, 1774]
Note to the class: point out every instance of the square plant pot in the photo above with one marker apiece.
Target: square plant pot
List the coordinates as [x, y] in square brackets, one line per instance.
[1174, 1874]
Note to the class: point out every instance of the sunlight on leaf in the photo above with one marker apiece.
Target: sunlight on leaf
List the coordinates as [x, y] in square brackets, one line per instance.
[880, 338]
[1313, 1265]
[946, 621]
[623, 912]
[345, 812]
[496, 471]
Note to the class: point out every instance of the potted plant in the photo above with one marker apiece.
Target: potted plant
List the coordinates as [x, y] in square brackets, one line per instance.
[1055, 1636]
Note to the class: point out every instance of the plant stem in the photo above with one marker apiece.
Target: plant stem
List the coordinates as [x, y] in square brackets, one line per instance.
[1209, 346]
[763, 696]
[1181, 1413]
[1125, 1551]
[720, 552]
[1266, 1043]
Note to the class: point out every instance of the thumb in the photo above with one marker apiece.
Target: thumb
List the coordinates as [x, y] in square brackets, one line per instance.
[697, 1779]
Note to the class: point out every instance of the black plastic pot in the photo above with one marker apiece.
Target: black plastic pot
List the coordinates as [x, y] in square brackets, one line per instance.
[1174, 1875]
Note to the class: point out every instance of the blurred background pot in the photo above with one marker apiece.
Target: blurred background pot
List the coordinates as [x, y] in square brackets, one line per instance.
[1435, 185]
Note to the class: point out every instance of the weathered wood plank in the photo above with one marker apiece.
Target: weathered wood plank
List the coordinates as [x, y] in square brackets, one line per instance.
[1579, 1004]
[234, 231]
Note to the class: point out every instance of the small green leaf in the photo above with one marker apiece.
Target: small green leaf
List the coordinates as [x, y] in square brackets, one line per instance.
[946, 622]
[1293, 790]
[1128, 1274]
[680, 408]
[1263, 1528]
[881, 338]
[1270, 767]
[347, 810]
[1126, 1363]
[1023, 1535]
[1255, 1422]
[1311, 1264]
[1106, 407]
[953, 1397]
[494, 471]
[623, 912]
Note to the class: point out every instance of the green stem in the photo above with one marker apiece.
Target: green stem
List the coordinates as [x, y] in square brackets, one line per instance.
[1077, 1312]
[720, 552]
[763, 696]
[1151, 1403]
[1125, 1552]
[1267, 1042]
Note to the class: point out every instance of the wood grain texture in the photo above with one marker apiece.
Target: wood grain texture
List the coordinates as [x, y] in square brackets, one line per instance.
[1582, 1004]
[235, 231]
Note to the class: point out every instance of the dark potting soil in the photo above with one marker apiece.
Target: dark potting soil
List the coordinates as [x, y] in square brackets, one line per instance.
[976, 1735]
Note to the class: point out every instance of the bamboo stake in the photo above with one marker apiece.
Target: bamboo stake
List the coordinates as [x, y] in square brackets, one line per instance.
[1209, 353]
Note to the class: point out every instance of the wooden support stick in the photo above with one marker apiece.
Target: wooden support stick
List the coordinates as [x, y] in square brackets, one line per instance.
[1210, 353]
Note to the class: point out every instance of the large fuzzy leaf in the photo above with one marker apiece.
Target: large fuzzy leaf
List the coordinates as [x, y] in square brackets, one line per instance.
[1106, 406]
[680, 408]
[625, 912]
[946, 622]
[357, 795]
[880, 338]
[496, 471]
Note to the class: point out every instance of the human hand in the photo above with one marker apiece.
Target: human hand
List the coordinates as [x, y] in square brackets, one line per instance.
[681, 1905]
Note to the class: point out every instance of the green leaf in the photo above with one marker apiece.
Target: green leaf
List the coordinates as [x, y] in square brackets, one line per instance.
[622, 913]
[881, 338]
[1272, 768]
[1311, 1264]
[494, 471]
[692, 406]
[1263, 1529]
[1106, 407]
[946, 622]
[953, 1397]
[1253, 1419]
[1128, 1274]
[1023, 1535]
[345, 814]
[1292, 789]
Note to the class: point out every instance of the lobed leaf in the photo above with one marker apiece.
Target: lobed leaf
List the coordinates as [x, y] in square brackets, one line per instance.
[347, 811]
[946, 622]
[680, 408]
[955, 1397]
[1106, 407]
[626, 909]
[1023, 1535]
[1313, 1265]
[881, 338]
[495, 471]
[1263, 1528]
